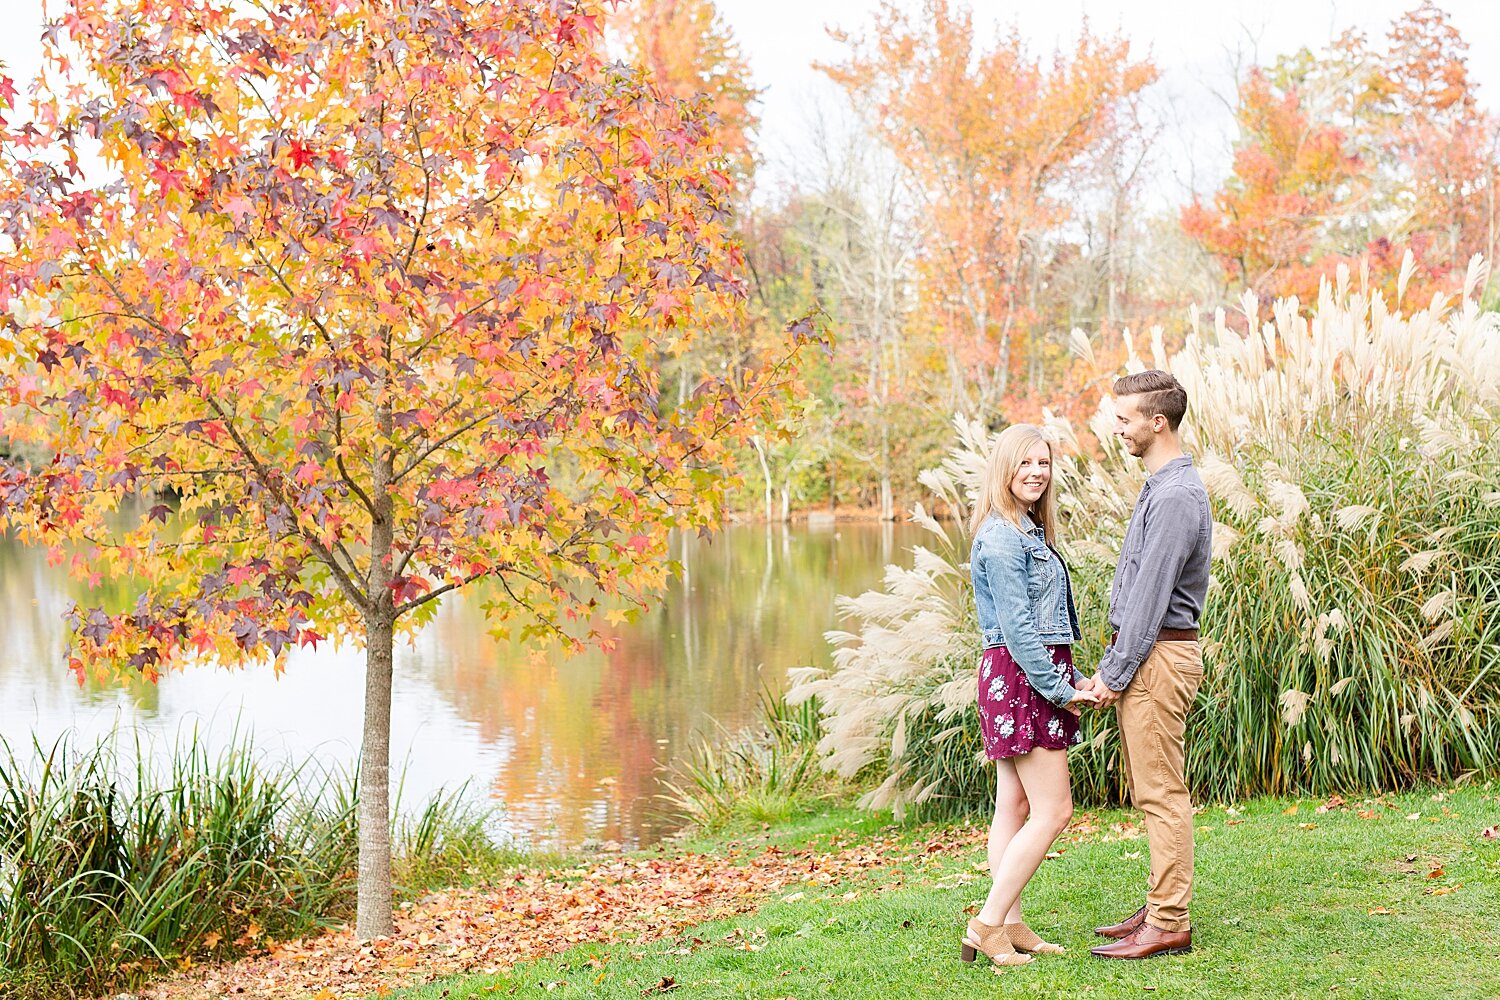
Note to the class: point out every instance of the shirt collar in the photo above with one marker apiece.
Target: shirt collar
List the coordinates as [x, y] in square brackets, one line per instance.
[1170, 469]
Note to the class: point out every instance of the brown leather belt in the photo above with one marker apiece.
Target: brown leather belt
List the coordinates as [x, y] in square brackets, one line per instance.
[1167, 635]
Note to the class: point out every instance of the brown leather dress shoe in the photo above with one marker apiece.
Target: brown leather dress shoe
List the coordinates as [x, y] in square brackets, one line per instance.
[1125, 927]
[1147, 941]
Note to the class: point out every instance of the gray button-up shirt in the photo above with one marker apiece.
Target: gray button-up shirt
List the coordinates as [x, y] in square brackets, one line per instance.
[1162, 577]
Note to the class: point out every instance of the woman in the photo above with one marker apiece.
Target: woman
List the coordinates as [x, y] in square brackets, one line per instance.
[1028, 701]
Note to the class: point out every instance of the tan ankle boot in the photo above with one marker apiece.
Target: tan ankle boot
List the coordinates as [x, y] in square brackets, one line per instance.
[993, 941]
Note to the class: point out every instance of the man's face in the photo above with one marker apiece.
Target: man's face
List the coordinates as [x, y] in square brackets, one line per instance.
[1135, 428]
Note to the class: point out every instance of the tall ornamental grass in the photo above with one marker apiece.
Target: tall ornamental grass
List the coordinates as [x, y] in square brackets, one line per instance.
[113, 868]
[1352, 633]
[762, 774]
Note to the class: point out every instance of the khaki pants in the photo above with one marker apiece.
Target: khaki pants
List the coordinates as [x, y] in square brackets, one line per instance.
[1152, 714]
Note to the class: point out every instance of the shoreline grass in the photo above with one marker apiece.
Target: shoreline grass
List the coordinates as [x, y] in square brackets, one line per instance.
[116, 867]
[1391, 896]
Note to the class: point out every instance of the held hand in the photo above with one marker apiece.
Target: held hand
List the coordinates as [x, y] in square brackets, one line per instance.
[1082, 696]
[1103, 696]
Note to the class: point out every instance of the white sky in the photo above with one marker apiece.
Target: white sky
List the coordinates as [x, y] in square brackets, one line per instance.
[1192, 41]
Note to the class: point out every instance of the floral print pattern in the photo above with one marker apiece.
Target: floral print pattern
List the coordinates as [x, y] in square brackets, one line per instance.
[1013, 718]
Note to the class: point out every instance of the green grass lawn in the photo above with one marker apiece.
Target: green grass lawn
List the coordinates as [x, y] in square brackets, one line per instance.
[1283, 908]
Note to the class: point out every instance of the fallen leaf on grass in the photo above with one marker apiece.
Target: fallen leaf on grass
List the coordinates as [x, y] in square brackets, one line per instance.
[666, 985]
[1381, 911]
[1308, 826]
[1436, 873]
[1233, 822]
[1446, 889]
[1290, 810]
[1491, 833]
[1366, 814]
[1414, 816]
[1053, 855]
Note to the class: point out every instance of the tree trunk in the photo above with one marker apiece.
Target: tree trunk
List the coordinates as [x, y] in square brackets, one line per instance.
[887, 503]
[373, 917]
[765, 472]
[373, 913]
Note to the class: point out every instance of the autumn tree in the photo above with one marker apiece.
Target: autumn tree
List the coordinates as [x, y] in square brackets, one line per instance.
[995, 139]
[689, 52]
[1436, 137]
[1266, 226]
[1354, 155]
[365, 307]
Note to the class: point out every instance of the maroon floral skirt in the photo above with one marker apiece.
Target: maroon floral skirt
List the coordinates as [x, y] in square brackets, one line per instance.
[1013, 718]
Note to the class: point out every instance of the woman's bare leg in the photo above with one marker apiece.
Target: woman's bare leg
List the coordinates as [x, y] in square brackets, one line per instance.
[1011, 809]
[1043, 777]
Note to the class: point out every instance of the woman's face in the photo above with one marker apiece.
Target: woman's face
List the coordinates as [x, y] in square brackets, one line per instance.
[1031, 479]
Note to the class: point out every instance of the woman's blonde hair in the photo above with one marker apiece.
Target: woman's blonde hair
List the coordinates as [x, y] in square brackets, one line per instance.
[994, 495]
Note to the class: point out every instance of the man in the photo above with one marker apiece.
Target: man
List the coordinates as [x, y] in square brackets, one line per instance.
[1153, 667]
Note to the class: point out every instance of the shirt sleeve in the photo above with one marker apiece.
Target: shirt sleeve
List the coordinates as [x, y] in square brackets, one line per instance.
[1005, 561]
[1168, 543]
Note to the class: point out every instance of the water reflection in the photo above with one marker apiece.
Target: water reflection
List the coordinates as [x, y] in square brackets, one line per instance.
[573, 748]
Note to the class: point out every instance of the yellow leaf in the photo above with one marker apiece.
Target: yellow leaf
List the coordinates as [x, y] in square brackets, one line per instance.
[212, 939]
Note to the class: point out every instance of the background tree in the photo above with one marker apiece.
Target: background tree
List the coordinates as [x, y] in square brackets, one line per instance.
[690, 53]
[368, 308]
[1266, 226]
[994, 139]
[862, 239]
[1356, 154]
[1436, 136]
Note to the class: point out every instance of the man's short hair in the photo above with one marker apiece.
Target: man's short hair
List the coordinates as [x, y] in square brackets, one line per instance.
[1159, 392]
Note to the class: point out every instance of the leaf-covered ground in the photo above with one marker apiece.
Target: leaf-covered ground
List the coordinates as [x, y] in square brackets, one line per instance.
[1384, 897]
[639, 898]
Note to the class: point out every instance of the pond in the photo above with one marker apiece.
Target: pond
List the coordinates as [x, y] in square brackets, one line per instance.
[571, 748]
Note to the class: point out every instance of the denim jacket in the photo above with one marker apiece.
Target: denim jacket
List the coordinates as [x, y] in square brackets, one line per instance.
[1024, 600]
